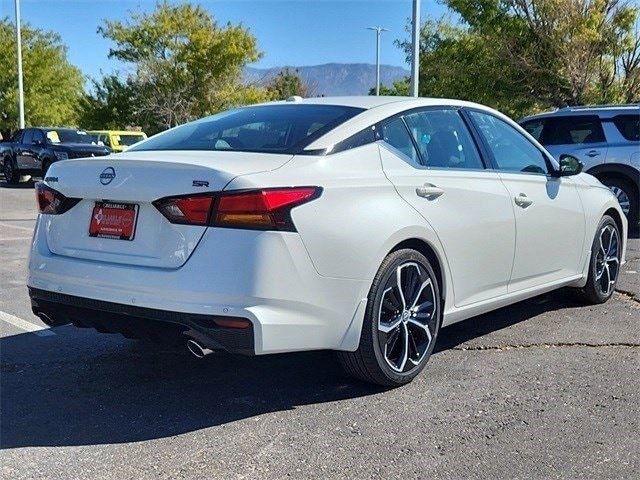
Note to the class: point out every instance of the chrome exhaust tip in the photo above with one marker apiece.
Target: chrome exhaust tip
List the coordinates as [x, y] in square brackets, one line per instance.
[197, 350]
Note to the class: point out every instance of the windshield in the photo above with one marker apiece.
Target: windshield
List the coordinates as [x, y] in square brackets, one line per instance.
[269, 128]
[128, 139]
[68, 135]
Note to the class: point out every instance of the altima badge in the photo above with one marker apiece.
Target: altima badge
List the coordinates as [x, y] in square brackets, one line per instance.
[107, 176]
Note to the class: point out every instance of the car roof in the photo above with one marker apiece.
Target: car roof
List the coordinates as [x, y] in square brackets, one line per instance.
[376, 110]
[364, 101]
[602, 111]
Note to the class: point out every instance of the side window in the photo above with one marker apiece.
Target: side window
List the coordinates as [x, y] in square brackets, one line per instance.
[16, 137]
[363, 137]
[38, 136]
[572, 130]
[511, 150]
[443, 139]
[27, 138]
[534, 128]
[395, 134]
[628, 126]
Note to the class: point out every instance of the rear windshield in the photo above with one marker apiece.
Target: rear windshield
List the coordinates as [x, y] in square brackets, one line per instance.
[67, 135]
[267, 128]
[128, 139]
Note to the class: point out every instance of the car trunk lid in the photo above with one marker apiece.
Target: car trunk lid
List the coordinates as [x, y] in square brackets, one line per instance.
[133, 181]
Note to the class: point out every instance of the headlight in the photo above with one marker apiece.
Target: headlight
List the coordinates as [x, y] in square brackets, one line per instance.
[61, 155]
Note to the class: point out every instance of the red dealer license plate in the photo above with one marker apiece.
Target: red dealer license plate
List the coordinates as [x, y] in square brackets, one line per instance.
[114, 220]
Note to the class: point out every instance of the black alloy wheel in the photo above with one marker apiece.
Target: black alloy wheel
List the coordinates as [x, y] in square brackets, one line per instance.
[401, 322]
[604, 265]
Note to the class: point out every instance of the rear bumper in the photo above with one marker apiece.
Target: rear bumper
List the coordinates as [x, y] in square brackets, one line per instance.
[264, 277]
[140, 322]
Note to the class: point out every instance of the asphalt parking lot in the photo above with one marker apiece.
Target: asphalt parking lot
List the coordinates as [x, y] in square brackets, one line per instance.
[546, 389]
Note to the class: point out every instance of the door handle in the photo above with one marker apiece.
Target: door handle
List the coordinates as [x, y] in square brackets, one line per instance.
[429, 191]
[593, 153]
[522, 200]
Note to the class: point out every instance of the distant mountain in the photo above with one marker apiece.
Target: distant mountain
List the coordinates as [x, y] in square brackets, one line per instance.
[335, 78]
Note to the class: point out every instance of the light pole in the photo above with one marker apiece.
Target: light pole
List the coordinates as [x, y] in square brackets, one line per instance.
[379, 31]
[415, 47]
[19, 47]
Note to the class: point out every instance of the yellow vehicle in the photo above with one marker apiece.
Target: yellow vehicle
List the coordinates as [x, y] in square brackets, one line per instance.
[117, 140]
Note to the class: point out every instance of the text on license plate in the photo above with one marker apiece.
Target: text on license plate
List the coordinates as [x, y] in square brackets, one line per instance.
[114, 220]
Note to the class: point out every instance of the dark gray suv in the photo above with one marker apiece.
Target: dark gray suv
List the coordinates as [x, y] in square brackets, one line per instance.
[606, 138]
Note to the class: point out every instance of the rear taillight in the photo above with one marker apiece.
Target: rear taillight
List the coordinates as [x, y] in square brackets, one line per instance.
[52, 202]
[268, 209]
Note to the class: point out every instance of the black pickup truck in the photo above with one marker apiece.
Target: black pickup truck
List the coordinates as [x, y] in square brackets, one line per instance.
[31, 151]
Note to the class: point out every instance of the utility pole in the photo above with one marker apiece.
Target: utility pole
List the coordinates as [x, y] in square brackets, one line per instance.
[378, 31]
[415, 47]
[19, 47]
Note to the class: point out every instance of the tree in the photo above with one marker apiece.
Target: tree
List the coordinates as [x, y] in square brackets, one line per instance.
[458, 63]
[289, 83]
[52, 86]
[400, 88]
[111, 104]
[564, 52]
[186, 65]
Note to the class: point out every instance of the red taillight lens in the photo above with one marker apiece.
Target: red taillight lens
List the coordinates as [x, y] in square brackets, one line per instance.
[52, 202]
[268, 209]
[261, 209]
[186, 210]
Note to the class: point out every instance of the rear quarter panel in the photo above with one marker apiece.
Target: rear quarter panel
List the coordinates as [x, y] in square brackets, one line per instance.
[358, 219]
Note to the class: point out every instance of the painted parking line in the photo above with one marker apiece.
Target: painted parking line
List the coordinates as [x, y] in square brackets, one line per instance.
[26, 326]
[18, 227]
[15, 238]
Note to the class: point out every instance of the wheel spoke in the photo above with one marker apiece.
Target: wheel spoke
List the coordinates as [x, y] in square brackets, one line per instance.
[414, 303]
[386, 328]
[405, 350]
[399, 286]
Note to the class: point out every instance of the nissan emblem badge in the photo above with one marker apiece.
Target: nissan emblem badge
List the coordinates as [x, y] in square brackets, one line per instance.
[107, 176]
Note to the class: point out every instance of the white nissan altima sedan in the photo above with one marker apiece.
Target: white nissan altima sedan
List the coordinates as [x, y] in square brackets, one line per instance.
[361, 225]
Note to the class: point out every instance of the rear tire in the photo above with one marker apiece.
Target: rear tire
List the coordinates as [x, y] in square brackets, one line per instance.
[401, 322]
[604, 265]
[11, 175]
[627, 196]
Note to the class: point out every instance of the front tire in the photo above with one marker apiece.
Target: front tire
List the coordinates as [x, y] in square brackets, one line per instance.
[604, 266]
[401, 322]
[11, 175]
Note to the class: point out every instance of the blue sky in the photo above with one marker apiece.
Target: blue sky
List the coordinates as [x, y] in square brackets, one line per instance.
[293, 32]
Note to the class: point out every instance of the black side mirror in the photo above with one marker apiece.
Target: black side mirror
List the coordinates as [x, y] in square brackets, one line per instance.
[569, 165]
[37, 143]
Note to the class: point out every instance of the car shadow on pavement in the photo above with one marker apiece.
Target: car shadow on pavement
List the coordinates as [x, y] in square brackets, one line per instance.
[479, 326]
[83, 388]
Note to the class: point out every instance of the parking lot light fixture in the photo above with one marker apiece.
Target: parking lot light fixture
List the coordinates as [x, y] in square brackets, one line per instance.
[378, 31]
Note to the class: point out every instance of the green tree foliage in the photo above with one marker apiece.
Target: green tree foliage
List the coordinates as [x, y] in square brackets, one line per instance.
[400, 88]
[288, 83]
[53, 87]
[525, 55]
[567, 52]
[458, 63]
[186, 65]
[111, 104]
